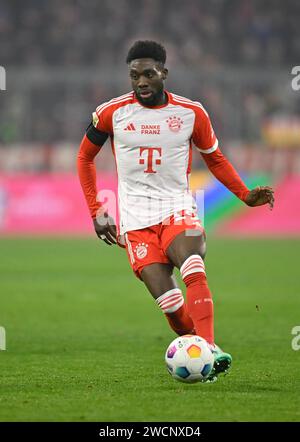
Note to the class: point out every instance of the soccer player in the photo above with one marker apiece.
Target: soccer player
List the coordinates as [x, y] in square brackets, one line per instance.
[152, 131]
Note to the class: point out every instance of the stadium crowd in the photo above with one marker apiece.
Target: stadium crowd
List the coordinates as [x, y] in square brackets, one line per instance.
[241, 38]
[93, 32]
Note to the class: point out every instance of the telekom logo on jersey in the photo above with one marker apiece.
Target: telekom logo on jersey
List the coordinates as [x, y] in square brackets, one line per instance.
[149, 155]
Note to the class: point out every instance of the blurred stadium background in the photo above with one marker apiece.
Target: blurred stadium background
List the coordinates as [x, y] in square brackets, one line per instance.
[64, 58]
[84, 338]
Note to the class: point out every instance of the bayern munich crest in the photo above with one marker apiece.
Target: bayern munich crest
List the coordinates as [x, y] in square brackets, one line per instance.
[141, 250]
[174, 123]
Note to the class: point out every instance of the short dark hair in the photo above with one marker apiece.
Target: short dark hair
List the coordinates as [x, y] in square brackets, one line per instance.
[147, 49]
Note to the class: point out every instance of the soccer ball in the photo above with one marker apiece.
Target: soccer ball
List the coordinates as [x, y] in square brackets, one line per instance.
[189, 359]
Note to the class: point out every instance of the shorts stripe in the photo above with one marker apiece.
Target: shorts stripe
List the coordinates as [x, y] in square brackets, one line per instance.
[129, 248]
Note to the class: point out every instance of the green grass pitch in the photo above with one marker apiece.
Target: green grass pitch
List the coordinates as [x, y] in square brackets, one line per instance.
[86, 342]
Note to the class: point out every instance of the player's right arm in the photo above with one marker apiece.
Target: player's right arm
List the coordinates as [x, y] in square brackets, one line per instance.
[94, 138]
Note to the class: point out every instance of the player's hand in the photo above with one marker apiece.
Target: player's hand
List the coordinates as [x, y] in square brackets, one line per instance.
[259, 196]
[105, 228]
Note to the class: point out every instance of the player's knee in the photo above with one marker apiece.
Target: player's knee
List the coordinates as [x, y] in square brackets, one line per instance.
[195, 249]
[186, 244]
[202, 245]
[158, 278]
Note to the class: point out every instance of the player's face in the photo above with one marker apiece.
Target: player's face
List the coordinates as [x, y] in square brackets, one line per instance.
[147, 79]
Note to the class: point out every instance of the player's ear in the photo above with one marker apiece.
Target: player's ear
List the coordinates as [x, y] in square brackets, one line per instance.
[164, 73]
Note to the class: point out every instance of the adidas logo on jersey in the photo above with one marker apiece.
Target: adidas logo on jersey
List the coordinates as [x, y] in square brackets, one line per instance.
[130, 127]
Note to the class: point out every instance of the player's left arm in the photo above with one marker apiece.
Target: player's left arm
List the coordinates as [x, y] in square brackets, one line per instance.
[223, 170]
[207, 143]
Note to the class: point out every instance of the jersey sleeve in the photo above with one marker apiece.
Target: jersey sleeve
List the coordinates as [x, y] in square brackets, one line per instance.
[224, 171]
[206, 142]
[100, 127]
[102, 118]
[87, 173]
[96, 136]
[203, 134]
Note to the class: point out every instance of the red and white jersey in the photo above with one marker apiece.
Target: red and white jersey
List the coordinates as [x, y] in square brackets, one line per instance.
[153, 153]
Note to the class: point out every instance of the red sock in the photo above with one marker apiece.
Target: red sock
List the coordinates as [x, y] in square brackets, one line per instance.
[199, 299]
[175, 310]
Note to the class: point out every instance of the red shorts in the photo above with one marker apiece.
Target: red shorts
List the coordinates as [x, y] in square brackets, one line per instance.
[149, 245]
